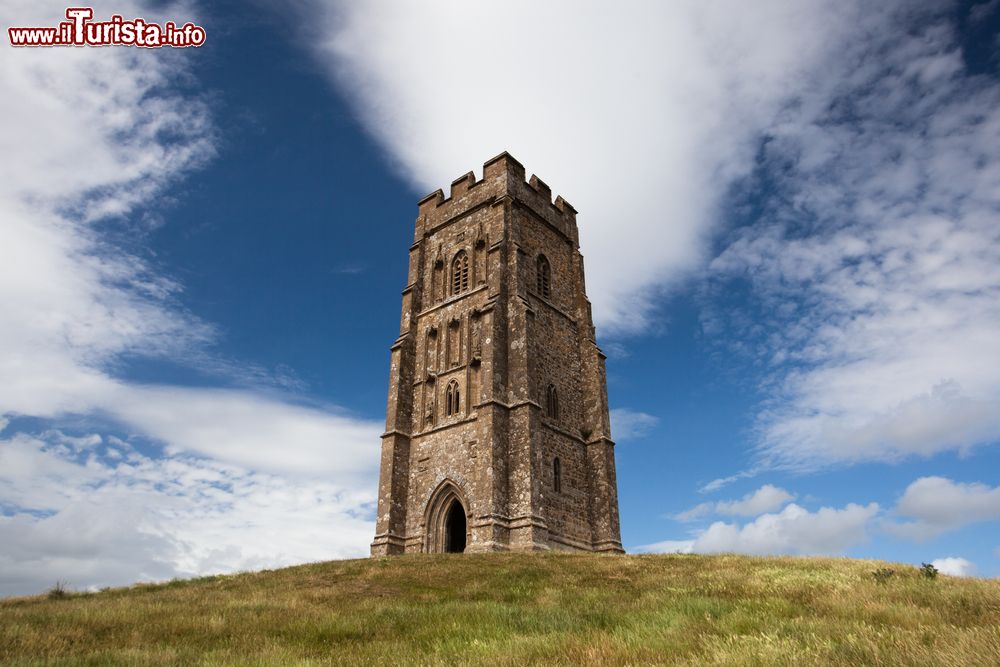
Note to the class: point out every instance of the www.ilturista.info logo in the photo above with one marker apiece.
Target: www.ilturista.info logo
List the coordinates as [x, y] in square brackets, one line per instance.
[79, 30]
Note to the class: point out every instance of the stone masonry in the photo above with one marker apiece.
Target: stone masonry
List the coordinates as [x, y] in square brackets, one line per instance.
[497, 430]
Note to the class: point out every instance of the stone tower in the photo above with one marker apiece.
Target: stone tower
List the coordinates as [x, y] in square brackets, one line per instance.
[497, 432]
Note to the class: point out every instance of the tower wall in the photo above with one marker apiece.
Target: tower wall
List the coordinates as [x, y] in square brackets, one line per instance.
[469, 415]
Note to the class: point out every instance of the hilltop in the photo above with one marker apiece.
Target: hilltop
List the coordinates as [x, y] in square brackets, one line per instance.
[499, 609]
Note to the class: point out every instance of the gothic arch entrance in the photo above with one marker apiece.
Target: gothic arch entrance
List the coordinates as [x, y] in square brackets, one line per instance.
[454, 528]
[447, 520]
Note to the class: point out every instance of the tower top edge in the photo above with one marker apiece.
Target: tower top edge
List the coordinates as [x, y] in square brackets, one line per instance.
[501, 164]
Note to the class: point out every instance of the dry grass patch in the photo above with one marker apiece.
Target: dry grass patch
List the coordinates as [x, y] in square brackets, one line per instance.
[506, 609]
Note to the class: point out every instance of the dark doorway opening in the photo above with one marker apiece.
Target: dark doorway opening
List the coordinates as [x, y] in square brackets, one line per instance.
[454, 529]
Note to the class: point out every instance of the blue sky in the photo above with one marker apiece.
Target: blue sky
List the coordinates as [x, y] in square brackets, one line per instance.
[789, 215]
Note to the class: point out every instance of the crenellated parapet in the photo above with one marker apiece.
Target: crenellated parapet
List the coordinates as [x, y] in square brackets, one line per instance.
[503, 176]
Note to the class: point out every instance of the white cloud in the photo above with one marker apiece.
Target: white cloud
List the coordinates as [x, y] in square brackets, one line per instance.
[666, 547]
[765, 499]
[629, 424]
[870, 152]
[83, 132]
[793, 530]
[93, 133]
[876, 266]
[982, 10]
[90, 136]
[640, 113]
[699, 511]
[721, 482]
[97, 520]
[938, 504]
[954, 566]
[256, 431]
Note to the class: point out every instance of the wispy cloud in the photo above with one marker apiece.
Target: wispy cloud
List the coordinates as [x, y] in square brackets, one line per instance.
[616, 350]
[84, 137]
[876, 262]
[983, 10]
[629, 424]
[350, 268]
[91, 137]
[720, 482]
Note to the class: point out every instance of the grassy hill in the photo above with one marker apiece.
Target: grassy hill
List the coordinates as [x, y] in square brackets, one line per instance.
[504, 609]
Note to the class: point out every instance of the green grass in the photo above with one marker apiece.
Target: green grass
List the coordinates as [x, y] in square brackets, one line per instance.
[505, 609]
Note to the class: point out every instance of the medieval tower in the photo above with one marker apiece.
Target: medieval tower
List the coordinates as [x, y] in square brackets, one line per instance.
[497, 431]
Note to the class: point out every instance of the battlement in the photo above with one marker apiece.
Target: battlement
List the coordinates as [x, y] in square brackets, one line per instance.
[505, 169]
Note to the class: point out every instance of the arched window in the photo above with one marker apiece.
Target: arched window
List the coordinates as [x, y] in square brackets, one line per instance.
[543, 276]
[453, 399]
[460, 273]
[552, 402]
[556, 475]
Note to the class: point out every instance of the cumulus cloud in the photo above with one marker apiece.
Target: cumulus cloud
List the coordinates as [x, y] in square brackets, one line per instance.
[629, 424]
[91, 137]
[793, 530]
[937, 505]
[641, 114]
[954, 566]
[765, 499]
[113, 515]
[875, 264]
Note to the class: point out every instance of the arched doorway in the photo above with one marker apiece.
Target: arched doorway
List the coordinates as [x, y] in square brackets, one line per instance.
[454, 528]
[446, 520]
